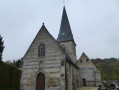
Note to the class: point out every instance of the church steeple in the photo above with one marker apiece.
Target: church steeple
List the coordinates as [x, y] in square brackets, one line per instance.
[65, 33]
[65, 37]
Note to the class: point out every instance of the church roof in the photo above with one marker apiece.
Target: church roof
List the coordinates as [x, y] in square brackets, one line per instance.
[65, 33]
[68, 59]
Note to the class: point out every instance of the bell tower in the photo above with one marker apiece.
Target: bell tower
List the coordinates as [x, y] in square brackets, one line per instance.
[65, 37]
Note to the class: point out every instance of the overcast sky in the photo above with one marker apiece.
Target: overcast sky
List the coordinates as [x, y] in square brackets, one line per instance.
[94, 24]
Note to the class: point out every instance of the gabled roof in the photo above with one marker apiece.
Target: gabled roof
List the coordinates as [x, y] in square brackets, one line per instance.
[65, 33]
[68, 59]
[44, 29]
[84, 55]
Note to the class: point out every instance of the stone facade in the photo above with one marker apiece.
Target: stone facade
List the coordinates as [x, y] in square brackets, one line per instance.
[51, 64]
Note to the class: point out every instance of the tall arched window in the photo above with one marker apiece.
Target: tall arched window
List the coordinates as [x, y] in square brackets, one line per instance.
[80, 60]
[41, 50]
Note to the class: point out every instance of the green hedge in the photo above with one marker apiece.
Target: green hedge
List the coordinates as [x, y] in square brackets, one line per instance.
[9, 77]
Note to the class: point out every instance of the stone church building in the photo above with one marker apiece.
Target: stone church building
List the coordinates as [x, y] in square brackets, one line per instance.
[51, 64]
[89, 74]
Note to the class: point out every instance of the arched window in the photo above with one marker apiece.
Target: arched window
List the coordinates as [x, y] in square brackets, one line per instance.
[41, 50]
[80, 60]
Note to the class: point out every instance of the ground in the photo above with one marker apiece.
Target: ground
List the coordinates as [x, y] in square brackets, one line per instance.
[88, 88]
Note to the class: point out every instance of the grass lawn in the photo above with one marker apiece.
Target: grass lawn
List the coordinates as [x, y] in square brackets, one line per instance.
[88, 88]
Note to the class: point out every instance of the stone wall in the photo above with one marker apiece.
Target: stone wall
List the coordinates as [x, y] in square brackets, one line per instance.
[52, 65]
[88, 75]
[91, 76]
[72, 78]
[98, 77]
[70, 49]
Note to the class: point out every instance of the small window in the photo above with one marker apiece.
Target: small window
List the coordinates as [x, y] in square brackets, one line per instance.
[64, 46]
[80, 60]
[86, 60]
[41, 50]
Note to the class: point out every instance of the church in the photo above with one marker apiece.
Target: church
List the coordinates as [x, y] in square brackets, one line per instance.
[51, 64]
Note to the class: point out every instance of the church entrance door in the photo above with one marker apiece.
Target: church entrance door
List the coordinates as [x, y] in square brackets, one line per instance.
[40, 82]
[84, 82]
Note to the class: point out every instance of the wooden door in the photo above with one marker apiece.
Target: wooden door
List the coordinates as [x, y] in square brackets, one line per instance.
[84, 82]
[40, 82]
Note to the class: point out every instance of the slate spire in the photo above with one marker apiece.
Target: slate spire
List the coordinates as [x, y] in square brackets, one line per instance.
[65, 33]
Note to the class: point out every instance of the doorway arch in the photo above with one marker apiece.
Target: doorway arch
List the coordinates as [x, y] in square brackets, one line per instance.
[40, 82]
